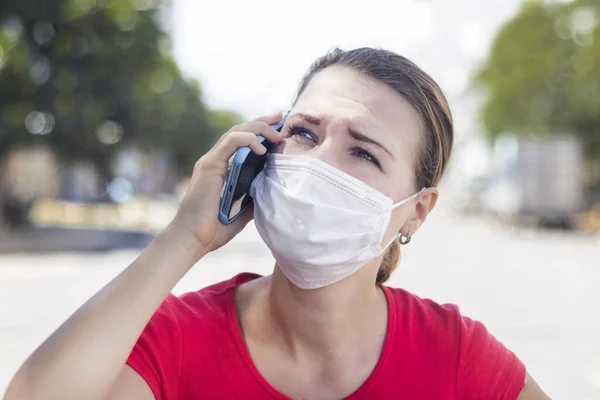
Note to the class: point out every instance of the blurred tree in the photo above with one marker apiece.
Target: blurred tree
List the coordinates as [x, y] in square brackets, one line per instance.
[90, 76]
[223, 120]
[542, 76]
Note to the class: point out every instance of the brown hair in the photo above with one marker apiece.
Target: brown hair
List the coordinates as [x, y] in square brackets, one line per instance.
[426, 98]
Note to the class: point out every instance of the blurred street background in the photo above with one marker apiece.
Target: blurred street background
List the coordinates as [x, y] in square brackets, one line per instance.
[105, 106]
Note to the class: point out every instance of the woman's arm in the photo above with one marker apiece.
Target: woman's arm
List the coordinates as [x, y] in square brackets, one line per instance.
[130, 386]
[532, 391]
[86, 355]
[83, 358]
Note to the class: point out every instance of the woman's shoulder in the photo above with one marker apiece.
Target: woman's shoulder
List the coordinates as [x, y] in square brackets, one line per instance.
[217, 291]
[206, 308]
[184, 330]
[440, 334]
[423, 311]
[436, 318]
[442, 321]
[214, 298]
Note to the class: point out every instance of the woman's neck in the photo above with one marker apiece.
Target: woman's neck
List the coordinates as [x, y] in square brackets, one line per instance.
[329, 319]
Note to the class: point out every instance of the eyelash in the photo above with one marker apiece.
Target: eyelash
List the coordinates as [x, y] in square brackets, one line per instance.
[294, 130]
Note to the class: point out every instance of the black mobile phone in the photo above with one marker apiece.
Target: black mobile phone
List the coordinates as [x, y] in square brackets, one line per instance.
[245, 167]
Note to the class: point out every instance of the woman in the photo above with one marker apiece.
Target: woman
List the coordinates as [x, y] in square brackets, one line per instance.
[353, 176]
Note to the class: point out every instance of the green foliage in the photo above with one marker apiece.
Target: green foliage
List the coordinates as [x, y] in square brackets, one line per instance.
[223, 120]
[91, 76]
[542, 76]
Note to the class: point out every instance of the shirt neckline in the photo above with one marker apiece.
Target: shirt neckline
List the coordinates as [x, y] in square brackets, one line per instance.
[238, 337]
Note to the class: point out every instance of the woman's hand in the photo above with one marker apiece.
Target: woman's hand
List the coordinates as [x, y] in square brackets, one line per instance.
[198, 213]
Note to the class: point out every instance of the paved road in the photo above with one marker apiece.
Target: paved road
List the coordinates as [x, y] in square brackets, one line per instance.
[536, 291]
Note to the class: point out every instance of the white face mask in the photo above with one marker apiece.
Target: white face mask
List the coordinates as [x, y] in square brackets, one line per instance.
[320, 223]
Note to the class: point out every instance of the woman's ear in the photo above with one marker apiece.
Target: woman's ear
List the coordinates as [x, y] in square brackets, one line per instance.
[425, 203]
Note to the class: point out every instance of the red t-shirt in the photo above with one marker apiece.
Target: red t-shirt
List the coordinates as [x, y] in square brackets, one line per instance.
[193, 348]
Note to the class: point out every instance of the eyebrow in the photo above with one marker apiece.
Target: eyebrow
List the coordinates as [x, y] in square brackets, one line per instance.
[310, 119]
[352, 132]
[362, 138]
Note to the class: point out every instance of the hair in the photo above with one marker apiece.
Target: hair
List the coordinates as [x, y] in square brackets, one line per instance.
[424, 95]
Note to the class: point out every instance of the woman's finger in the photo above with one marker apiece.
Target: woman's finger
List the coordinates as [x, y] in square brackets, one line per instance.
[270, 119]
[233, 141]
[262, 128]
[257, 126]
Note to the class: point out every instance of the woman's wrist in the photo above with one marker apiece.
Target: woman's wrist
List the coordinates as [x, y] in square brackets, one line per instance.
[180, 239]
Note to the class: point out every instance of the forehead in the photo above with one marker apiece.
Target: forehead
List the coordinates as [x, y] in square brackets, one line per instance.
[371, 106]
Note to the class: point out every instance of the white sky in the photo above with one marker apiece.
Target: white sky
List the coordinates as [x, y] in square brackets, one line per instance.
[250, 55]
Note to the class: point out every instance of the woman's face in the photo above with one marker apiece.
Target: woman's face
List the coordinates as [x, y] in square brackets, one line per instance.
[358, 125]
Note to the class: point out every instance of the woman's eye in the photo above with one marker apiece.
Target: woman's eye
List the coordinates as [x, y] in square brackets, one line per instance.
[300, 132]
[365, 155]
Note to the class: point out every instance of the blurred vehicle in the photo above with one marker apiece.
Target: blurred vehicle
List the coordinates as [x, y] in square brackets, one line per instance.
[541, 183]
[550, 180]
[502, 197]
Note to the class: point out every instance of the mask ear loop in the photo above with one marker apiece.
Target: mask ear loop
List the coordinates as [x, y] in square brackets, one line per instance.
[404, 240]
[388, 244]
[406, 200]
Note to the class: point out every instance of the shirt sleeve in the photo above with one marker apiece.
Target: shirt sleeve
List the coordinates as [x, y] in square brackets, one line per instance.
[157, 354]
[486, 369]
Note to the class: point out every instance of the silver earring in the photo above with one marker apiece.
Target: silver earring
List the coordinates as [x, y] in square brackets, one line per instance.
[405, 240]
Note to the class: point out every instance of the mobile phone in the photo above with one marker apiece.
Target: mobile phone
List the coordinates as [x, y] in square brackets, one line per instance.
[245, 166]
